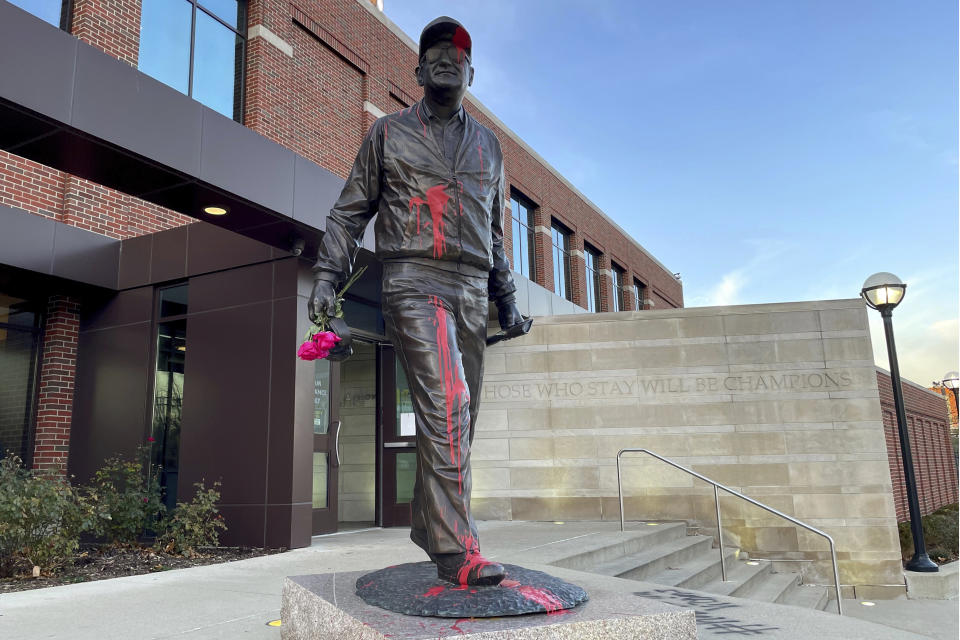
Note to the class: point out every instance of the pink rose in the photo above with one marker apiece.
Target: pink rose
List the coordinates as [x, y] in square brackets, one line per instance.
[325, 340]
[150, 439]
[308, 351]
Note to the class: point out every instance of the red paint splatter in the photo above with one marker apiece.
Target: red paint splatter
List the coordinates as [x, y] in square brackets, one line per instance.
[456, 625]
[423, 123]
[544, 598]
[433, 591]
[437, 199]
[462, 587]
[417, 202]
[461, 40]
[367, 585]
[453, 387]
[506, 583]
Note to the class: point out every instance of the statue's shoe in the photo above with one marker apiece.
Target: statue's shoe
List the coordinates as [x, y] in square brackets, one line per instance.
[470, 569]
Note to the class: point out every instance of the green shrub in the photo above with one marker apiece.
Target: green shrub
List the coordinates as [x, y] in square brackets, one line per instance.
[125, 501]
[193, 524]
[41, 518]
[940, 534]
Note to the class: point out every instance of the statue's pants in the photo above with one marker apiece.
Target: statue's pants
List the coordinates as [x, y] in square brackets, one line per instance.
[437, 321]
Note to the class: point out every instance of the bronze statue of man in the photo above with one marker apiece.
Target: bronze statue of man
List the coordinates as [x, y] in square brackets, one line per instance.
[435, 176]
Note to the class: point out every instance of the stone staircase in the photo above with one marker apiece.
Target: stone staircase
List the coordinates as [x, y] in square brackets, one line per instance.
[664, 553]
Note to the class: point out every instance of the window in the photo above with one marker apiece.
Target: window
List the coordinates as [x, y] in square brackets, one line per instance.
[616, 275]
[197, 47]
[521, 212]
[168, 388]
[20, 322]
[639, 293]
[561, 260]
[592, 259]
[53, 11]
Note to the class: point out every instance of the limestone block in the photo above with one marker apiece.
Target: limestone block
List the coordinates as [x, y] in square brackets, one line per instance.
[531, 449]
[839, 349]
[799, 350]
[521, 419]
[751, 352]
[852, 474]
[746, 475]
[773, 322]
[548, 509]
[491, 420]
[700, 326]
[490, 449]
[494, 363]
[527, 362]
[490, 479]
[576, 447]
[490, 508]
[569, 360]
[836, 441]
[554, 478]
[843, 319]
[840, 505]
[655, 329]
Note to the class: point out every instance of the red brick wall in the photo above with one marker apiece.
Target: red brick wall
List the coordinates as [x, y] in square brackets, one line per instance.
[55, 391]
[343, 55]
[113, 26]
[933, 463]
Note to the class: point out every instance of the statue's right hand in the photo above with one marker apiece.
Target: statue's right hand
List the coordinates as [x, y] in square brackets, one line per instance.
[323, 299]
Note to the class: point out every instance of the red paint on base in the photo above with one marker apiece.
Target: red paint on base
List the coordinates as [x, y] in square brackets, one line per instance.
[433, 591]
[544, 598]
[456, 625]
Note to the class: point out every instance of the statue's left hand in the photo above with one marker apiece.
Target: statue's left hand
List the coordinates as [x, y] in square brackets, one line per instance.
[508, 314]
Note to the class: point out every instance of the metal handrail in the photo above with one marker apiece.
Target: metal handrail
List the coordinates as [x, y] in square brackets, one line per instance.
[716, 496]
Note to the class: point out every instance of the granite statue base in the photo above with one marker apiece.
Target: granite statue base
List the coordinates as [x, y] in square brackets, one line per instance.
[414, 590]
[326, 606]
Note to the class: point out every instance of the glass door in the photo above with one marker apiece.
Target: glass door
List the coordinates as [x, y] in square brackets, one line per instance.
[399, 450]
[326, 428]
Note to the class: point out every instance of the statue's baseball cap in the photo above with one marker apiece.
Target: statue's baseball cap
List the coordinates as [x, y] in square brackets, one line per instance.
[442, 27]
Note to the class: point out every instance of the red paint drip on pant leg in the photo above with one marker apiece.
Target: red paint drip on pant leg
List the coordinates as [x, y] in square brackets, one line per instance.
[437, 199]
[453, 387]
[544, 598]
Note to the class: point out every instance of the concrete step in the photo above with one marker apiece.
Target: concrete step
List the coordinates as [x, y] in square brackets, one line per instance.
[741, 578]
[698, 571]
[585, 552]
[775, 587]
[655, 559]
[809, 596]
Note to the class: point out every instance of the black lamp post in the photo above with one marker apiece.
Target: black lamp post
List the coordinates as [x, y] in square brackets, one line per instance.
[883, 292]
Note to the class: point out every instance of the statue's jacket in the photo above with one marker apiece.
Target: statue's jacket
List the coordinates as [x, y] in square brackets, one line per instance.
[428, 213]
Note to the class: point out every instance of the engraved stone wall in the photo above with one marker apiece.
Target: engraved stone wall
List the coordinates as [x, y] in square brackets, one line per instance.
[778, 401]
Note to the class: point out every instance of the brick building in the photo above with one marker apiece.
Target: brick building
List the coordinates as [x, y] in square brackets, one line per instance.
[161, 164]
[928, 424]
[127, 126]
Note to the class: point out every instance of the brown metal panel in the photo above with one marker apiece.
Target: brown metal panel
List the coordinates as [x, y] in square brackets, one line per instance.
[285, 278]
[135, 255]
[225, 401]
[84, 256]
[280, 446]
[169, 259]
[212, 249]
[245, 524]
[300, 525]
[125, 307]
[110, 399]
[278, 526]
[231, 288]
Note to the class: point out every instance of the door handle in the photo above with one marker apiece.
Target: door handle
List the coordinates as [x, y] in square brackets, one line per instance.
[336, 444]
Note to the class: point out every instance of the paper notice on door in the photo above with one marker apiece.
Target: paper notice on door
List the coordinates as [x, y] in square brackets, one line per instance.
[408, 426]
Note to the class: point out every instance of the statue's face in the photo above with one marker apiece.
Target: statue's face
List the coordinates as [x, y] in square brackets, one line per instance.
[445, 67]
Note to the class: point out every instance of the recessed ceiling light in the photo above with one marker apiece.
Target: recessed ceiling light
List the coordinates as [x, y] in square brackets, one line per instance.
[558, 522]
[216, 211]
[752, 563]
[869, 604]
[181, 348]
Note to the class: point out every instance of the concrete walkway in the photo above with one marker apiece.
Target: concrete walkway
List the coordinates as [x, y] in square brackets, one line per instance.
[238, 599]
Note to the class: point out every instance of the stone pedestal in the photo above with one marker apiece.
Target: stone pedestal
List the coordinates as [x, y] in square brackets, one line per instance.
[318, 607]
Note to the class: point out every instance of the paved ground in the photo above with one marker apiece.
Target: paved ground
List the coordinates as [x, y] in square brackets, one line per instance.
[238, 599]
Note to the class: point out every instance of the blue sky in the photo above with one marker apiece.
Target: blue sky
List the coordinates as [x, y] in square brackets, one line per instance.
[768, 151]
